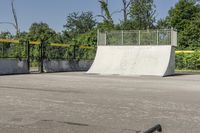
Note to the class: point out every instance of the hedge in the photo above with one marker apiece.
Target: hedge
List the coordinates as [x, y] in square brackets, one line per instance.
[188, 61]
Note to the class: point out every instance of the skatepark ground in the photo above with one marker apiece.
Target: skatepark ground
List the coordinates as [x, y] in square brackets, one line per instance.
[86, 103]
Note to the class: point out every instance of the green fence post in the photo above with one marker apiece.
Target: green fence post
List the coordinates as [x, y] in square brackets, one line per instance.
[41, 56]
[2, 50]
[28, 55]
[74, 52]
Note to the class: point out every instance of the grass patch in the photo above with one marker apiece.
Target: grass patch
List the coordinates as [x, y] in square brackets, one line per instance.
[188, 71]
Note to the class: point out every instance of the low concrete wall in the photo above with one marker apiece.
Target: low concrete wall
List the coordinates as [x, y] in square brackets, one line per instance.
[66, 66]
[13, 66]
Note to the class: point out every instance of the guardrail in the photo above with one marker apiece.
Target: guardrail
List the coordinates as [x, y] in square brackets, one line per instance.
[51, 44]
[138, 37]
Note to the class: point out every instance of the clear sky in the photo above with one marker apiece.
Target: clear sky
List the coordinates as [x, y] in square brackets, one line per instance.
[54, 12]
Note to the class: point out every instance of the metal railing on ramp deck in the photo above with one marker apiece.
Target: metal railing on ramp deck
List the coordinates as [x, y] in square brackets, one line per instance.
[137, 37]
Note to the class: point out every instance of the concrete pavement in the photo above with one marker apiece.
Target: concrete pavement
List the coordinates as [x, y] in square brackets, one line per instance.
[82, 103]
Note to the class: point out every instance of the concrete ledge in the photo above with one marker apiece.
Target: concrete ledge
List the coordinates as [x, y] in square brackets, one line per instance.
[13, 66]
[66, 66]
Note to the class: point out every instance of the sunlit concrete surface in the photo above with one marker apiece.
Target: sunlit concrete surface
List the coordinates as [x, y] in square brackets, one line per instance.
[82, 103]
[156, 60]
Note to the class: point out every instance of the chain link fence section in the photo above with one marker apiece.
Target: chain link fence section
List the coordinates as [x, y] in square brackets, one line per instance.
[13, 50]
[140, 37]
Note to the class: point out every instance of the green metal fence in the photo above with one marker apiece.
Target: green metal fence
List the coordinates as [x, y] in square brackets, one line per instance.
[13, 50]
[54, 51]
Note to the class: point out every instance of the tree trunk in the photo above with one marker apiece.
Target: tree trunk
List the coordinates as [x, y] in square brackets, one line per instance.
[15, 17]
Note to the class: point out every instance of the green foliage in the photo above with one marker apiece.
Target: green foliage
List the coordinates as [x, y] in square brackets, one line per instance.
[105, 26]
[79, 23]
[11, 50]
[163, 24]
[183, 12]
[114, 38]
[148, 37]
[142, 13]
[188, 61]
[87, 39]
[55, 53]
[126, 25]
[185, 17]
[6, 35]
[80, 30]
[131, 38]
[189, 38]
[41, 32]
[107, 16]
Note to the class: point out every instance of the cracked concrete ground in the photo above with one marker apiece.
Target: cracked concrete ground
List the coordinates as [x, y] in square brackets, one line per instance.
[81, 103]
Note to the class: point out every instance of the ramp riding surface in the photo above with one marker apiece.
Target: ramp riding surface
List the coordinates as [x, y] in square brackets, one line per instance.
[134, 60]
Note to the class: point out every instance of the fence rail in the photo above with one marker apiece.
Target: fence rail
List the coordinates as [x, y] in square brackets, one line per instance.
[140, 37]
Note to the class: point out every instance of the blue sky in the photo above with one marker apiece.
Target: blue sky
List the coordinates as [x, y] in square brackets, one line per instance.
[54, 12]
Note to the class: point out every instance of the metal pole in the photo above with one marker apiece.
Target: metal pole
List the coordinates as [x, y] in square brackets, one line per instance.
[139, 38]
[171, 36]
[98, 37]
[2, 50]
[28, 55]
[105, 38]
[122, 37]
[74, 52]
[41, 56]
[157, 37]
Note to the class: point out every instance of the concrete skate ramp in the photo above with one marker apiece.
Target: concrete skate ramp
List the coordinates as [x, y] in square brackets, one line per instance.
[134, 60]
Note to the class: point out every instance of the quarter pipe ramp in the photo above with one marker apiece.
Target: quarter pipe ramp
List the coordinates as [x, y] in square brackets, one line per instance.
[134, 60]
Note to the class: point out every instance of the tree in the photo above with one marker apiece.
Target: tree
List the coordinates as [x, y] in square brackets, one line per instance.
[5, 35]
[185, 18]
[15, 17]
[79, 23]
[162, 24]
[41, 32]
[108, 22]
[142, 13]
[106, 15]
[15, 25]
[126, 6]
[183, 12]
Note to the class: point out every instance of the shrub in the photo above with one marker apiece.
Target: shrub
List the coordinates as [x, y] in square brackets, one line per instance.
[189, 61]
